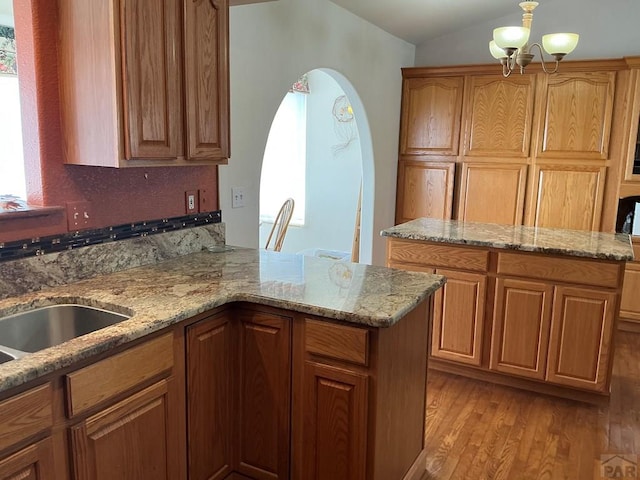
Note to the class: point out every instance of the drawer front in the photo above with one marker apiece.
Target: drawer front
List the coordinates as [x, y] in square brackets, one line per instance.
[436, 255]
[339, 342]
[636, 253]
[107, 378]
[26, 414]
[579, 271]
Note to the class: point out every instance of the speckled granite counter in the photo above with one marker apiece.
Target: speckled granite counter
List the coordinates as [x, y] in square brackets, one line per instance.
[577, 243]
[165, 293]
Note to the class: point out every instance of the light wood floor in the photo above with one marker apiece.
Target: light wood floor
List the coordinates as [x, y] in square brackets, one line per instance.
[479, 431]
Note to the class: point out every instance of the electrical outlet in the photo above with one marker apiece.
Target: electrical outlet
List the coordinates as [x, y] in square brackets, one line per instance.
[191, 201]
[204, 205]
[79, 216]
[237, 197]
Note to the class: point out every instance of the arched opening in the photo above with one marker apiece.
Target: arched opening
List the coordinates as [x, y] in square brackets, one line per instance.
[319, 153]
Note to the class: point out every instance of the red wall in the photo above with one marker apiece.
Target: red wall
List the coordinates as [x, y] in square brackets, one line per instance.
[115, 196]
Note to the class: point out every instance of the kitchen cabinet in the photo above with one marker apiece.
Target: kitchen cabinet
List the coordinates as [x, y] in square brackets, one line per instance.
[129, 440]
[630, 300]
[567, 196]
[263, 406]
[492, 192]
[34, 462]
[22, 417]
[349, 421]
[542, 322]
[335, 438]
[580, 345]
[458, 317]
[521, 323]
[430, 116]
[534, 149]
[210, 345]
[575, 112]
[425, 190]
[154, 73]
[136, 437]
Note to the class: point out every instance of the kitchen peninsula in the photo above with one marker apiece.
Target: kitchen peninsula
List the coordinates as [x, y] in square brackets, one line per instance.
[235, 364]
[534, 308]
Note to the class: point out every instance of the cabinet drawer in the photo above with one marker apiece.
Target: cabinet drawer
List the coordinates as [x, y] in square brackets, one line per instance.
[114, 375]
[466, 258]
[25, 415]
[337, 341]
[582, 272]
[636, 252]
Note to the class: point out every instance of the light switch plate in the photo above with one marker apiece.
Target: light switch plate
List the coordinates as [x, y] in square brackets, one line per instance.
[237, 197]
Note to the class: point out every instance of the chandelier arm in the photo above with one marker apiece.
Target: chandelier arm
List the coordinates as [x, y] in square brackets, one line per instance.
[544, 67]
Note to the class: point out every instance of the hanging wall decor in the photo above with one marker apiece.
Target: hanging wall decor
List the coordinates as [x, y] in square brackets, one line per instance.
[343, 125]
[8, 65]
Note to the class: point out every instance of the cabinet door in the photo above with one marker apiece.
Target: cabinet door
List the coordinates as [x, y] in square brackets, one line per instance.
[580, 342]
[458, 317]
[492, 193]
[206, 79]
[430, 122]
[567, 196]
[209, 398]
[34, 462]
[263, 417]
[575, 115]
[425, 189]
[128, 441]
[521, 322]
[630, 300]
[498, 113]
[152, 79]
[335, 423]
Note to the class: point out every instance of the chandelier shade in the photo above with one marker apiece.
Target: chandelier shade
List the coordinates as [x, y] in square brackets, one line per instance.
[510, 45]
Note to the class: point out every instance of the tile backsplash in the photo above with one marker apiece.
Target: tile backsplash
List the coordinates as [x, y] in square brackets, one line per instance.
[51, 261]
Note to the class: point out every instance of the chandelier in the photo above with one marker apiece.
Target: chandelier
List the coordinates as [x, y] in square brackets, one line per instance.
[510, 44]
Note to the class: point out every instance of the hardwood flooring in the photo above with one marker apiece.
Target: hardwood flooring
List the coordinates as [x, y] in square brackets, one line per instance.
[476, 430]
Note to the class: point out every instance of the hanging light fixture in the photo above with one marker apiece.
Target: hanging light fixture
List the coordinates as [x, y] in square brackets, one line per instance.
[510, 44]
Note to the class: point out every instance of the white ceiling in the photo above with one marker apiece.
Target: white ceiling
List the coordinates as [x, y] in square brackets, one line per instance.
[419, 20]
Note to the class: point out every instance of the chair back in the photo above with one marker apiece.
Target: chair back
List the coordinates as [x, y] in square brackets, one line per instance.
[280, 225]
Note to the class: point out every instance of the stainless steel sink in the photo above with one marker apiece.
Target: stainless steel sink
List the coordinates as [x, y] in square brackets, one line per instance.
[45, 327]
[5, 357]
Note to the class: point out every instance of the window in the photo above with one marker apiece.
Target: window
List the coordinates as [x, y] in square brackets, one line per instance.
[283, 165]
[12, 177]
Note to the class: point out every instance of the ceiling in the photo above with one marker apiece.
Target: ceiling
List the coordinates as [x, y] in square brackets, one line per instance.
[417, 21]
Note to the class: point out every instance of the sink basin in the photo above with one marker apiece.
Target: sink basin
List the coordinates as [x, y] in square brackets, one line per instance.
[45, 327]
[5, 357]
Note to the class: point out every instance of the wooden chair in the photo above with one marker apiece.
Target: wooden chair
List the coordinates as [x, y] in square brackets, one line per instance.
[281, 224]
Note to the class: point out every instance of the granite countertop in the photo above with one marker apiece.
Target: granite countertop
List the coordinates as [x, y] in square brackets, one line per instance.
[576, 243]
[161, 294]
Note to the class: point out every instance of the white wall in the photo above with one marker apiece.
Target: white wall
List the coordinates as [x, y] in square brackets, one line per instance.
[332, 179]
[607, 29]
[272, 44]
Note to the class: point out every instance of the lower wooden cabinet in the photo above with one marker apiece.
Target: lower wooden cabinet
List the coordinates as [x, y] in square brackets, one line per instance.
[543, 322]
[630, 300]
[335, 416]
[580, 345]
[210, 348]
[34, 462]
[128, 441]
[262, 418]
[458, 317]
[521, 323]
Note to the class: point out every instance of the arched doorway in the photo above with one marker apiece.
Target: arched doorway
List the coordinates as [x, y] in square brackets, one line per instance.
[325, 160]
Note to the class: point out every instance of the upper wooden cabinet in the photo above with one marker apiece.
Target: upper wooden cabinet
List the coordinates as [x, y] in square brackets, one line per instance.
[144, 82]
[431, 110]
[425, 189]
[539, 149]
[497, 115]
[575, 115]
